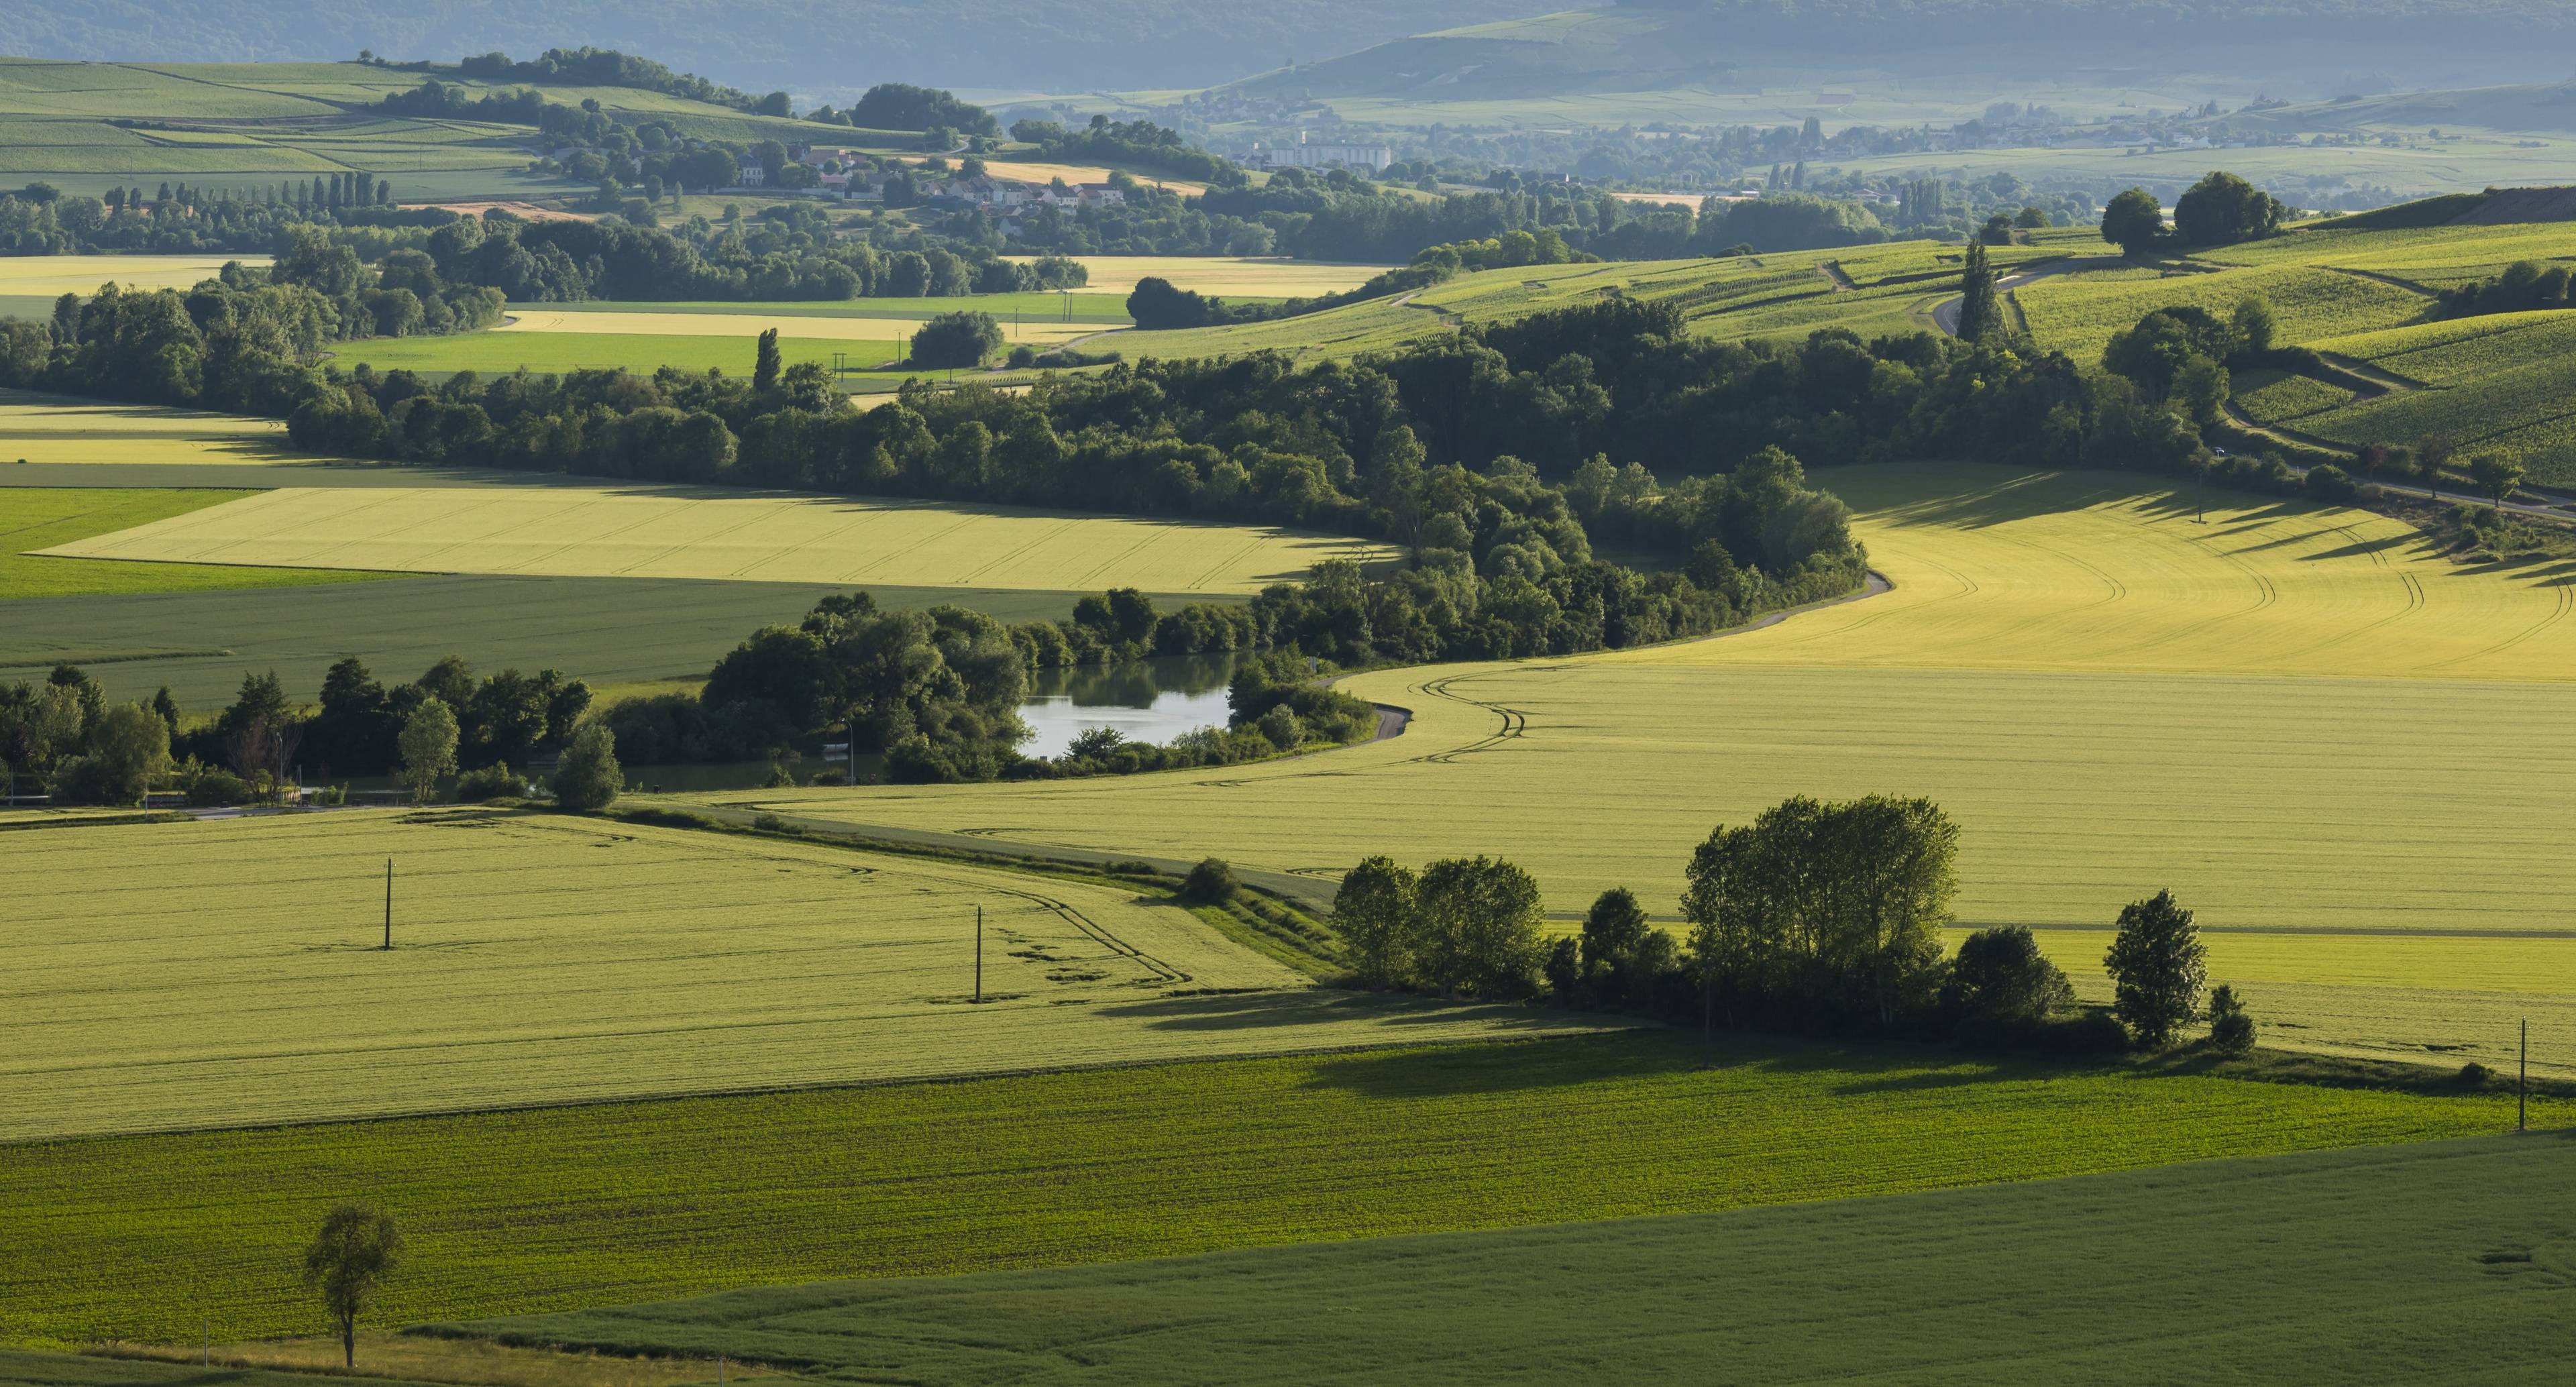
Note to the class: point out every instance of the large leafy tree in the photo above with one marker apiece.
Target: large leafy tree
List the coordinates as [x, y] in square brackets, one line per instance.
[357, 1248]
[2222, 209]
[2134, 221]
[2157, 966]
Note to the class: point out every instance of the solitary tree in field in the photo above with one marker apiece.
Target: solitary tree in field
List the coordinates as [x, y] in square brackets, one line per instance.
[2495, 475]
[764, 371]
[428, 747]
[588, 776]
[350, 1258]
[2134, 221]
[2157, 966]
[1980, 312]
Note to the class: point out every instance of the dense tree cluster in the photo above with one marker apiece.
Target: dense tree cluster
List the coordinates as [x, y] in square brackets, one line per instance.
[41, 219]
[1141, 143]
[2522, 287]
[2220, 210]
[1813, 917]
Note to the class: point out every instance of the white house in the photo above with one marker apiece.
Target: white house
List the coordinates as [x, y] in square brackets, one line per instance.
[1306, 155]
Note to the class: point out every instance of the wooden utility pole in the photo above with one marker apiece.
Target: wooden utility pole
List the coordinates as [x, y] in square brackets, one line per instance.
[389, 903]
[2522, 1083]
[979, 953]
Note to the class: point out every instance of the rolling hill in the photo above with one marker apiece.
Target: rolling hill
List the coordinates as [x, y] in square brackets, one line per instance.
[807, 46]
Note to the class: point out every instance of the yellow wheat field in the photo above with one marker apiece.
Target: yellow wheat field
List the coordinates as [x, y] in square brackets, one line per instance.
[228, 972]
[751, 325]
[82, 274]
[53, 428]
[1224, 275]
[670, 532]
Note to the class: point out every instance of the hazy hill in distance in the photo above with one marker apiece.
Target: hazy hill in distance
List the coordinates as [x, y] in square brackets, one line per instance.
[1614, 62]
[814, 48]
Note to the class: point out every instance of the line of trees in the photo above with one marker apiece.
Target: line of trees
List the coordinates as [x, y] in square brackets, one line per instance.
[1815, 916]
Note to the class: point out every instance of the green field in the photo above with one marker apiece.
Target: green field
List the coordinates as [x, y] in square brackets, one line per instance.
[547, 959]
[609, 631]
[2220, 1272]
[1079, 306]
[167, 1237]
[2110, 689]
[40, 518]
[2079, 317]
[499, 353]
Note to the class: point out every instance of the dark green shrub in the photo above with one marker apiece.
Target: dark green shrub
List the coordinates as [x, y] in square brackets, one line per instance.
[1211, 881]
[491, 782]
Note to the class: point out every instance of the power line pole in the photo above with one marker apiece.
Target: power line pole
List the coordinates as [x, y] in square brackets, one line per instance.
[979, 953]
[2522, 1083]
[389, 904]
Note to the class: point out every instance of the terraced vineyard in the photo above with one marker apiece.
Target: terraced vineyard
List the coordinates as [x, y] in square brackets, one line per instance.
[2111, 691]
[2078, 316]
[164, 1237]
[227, 973]
[593, 530]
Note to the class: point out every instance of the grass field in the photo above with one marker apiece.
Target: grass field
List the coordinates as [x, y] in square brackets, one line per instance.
[596, 530]
[164, 1237]
[37, 518]
[2458, 1273]
[749, 324]
[57, 428]
[2289, 714]
[156, 984]
[610, 631]
[1080, 305]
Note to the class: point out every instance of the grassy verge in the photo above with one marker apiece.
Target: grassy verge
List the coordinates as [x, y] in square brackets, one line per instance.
[158, 1237]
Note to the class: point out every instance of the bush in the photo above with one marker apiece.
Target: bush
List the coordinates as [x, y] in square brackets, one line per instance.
[1280, 725]
[2000, 975]
[216, 787]
[956, 339]
[2474, 1075]
[588, 777]
[2231, 1031]
[490, 783]
[2327, 482]
[1211, 882]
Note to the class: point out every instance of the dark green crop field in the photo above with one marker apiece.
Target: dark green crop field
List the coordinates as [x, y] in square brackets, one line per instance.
[159, 1237]
[605, 630]
[2451, 1262]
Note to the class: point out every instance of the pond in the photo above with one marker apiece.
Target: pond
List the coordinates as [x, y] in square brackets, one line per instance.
[1147, 701]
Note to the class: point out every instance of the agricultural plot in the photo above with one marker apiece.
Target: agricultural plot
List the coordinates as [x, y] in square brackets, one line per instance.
[1079, 305]
[1224, 275]
[2456, 1272]
[156, 984]
[747, 325]
[51, 276]
[609, 631]
[593, 530]
[2501, 380]
[2111, 692]
[2268, 396]
[35, 518]
[2079, 317]
[870, 346]
[60, 429]
[165, 1237]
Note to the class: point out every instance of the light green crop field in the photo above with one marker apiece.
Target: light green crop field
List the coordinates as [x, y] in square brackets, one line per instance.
[156, 982]
[166, 1237]
[2076, 1280]
[52, 276]
[37, 518]
[2294, 716]
[599, 530]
